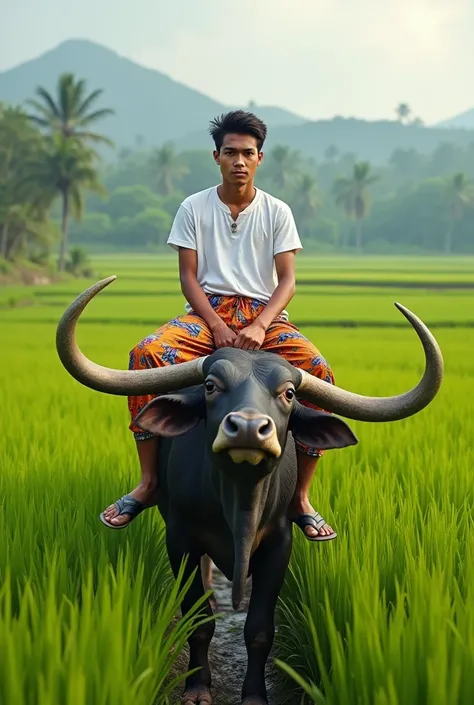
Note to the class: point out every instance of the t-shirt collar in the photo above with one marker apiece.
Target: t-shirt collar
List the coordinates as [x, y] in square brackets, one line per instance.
[250, 206]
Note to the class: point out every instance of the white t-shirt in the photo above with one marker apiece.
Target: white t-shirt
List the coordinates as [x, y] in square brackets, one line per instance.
[235, 258]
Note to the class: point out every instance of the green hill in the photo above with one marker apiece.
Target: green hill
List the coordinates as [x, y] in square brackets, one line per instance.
[464, 120]
[153, 108]
[372, 141]
[148, 104]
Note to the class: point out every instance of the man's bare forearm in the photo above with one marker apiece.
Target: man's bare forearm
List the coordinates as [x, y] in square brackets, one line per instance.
[198, 300]
[278, 301]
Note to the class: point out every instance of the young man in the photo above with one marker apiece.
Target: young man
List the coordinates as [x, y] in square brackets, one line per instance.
[237, 247]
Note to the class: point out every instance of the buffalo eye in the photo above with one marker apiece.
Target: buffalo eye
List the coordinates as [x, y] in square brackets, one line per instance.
[209, 386]
[290, 394]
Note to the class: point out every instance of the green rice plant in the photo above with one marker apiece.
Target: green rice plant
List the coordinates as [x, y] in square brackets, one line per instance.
[384, 615]
[87, 615]
[381, 616]
[113, 644]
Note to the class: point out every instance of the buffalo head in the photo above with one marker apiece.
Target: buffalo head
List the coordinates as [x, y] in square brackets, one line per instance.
[249, 402]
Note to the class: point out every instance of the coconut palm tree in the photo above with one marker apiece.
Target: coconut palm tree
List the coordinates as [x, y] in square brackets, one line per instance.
[71, 112]
[283, 163]
[306, 201]
[166, 169]
[19, 142]
[459, 194]
[352, 196]
[65, 169]
[26, 228]
[331, 153]
[12, 215]
[403, 111]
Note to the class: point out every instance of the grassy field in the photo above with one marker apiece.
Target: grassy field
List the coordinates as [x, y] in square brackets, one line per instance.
[382, 616]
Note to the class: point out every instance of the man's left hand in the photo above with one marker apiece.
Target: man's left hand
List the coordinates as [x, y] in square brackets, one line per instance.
[250, 338]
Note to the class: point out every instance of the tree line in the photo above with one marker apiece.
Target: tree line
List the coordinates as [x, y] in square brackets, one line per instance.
[55, 188]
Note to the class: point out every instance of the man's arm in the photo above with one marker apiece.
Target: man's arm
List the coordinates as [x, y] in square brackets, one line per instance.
[223, 336]
[284, 292]
[252, 337]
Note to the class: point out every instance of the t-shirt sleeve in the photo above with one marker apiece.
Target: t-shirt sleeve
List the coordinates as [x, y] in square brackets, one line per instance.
[286, 236]
[183, 230]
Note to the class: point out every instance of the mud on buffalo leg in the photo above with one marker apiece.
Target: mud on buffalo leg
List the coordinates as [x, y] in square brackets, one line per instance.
[180, 545]
[269, 566]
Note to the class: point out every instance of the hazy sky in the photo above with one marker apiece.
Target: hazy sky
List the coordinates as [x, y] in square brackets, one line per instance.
[317, 57]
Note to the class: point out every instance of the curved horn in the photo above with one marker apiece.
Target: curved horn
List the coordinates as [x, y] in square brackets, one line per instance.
[120, 382]
[361, 408]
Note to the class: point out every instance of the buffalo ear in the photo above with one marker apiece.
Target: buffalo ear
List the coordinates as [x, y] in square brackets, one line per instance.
[171, 414]
[320, 429]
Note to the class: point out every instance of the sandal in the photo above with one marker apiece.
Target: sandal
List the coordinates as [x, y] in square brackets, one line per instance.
[125, 505]
[317, 522]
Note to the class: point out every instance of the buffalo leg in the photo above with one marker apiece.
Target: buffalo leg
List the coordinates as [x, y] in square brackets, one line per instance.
[198, 684]
[269, 566]
[206, 571]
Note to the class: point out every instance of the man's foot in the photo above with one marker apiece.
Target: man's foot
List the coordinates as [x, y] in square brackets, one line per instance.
[139, 499]
[310, 522]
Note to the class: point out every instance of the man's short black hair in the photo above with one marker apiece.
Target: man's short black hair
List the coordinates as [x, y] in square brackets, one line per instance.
[240, 123]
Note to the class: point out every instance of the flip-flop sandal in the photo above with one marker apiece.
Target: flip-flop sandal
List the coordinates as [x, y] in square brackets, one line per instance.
[125, 505]
[317, 522]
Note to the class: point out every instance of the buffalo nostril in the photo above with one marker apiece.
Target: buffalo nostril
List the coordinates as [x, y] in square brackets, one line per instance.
[245, 428]
[231, 425]
[265, 428]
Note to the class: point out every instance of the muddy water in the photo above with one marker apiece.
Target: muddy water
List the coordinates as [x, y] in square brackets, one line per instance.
[228, 656]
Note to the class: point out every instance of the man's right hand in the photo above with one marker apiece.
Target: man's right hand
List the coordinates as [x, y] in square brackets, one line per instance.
[223, 336]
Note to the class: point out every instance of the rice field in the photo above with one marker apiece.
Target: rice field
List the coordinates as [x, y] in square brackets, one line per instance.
[384, 615]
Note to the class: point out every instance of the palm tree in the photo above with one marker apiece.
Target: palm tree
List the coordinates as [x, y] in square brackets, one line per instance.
[166, 168]
[283, 162]
[65, 169]
[459, 193]
[307, 200]
[71, 113]
[19, 141]
[12, 214]
[351, 195]
[403, 111]
[25, 228]
[331, 153]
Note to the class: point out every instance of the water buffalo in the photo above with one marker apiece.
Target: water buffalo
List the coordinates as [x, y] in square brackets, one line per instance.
[227, 471]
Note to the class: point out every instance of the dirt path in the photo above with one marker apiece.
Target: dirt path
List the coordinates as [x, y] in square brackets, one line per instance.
[228, 656]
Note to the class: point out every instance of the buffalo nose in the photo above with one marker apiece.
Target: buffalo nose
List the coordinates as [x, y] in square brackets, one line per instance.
[241, 427]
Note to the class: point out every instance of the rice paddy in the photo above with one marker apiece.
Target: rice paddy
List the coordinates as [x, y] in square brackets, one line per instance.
[384, 615]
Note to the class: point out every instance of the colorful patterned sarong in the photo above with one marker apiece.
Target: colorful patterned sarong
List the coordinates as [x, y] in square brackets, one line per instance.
[188, 336]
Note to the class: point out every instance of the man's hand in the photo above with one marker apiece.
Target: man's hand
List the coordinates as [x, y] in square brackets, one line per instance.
[223, 336]
[251, 338]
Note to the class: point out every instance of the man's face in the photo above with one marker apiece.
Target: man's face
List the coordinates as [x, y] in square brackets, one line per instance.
[238, 158]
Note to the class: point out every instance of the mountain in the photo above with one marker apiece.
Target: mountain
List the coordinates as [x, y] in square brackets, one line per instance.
[464, 120]
[148, 104]
[152, 108]
[371, 141]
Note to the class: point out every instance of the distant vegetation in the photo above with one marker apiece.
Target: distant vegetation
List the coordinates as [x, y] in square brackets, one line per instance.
[54, 188]
[46, 157]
